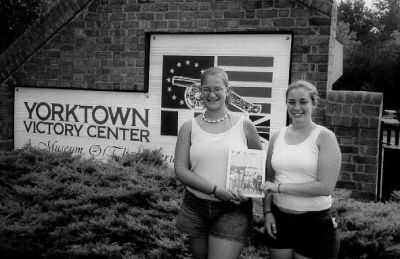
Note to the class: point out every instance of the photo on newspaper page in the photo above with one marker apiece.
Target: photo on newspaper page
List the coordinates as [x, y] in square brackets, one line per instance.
[246, 171]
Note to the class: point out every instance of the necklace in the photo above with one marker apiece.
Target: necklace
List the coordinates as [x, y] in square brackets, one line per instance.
[215, 121]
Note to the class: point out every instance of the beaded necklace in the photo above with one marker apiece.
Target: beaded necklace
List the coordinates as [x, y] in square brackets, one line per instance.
[216, 121]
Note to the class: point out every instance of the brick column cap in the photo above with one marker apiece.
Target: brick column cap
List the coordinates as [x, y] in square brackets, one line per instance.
[323, 6]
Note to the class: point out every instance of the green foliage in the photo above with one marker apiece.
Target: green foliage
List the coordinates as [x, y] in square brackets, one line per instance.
[388, 17]
[56, 205]
[17, 16]
[368, 229]
[359, 18]
[395, 196]
[371, 48]
[145, 156]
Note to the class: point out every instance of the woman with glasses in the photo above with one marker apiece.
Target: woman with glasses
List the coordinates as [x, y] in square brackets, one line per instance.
[217, 220]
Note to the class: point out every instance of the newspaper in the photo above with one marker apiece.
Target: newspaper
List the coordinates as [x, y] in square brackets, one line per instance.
[246, 171]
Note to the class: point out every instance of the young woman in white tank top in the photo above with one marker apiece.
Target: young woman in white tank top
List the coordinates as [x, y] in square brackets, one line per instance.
[303, 163]
[217, 221]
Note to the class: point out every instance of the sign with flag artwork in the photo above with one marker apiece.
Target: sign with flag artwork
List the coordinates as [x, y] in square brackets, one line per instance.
[257, 66]
[101, 124]
[250, 92]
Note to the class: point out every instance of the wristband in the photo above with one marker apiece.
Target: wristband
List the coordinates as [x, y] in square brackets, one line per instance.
[266, 211]
[279, 188]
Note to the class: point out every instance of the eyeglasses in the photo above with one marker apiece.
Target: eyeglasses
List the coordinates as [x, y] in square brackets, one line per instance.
[216, 91]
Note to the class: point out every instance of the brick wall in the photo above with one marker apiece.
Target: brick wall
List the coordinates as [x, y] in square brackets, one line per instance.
[355, 119]
[6, 117]
[43, 29]
[332, 42]
[100, 44]
[18, 54]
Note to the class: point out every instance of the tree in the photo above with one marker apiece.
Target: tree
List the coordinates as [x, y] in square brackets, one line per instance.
[371, 42]
[359, 17]
[388, 15]
[347, 38]
[17, 16]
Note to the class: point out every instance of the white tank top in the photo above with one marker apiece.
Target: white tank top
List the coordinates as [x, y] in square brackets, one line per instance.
[298, 164]
[209, 153]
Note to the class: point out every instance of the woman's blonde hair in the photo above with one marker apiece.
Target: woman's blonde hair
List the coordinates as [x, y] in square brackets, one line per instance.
[311, 89]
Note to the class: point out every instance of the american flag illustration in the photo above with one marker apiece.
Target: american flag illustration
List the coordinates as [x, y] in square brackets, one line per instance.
[263, 125]
[249, 84]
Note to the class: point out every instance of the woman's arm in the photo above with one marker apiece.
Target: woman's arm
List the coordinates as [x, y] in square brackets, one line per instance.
[270, 171]
[270, 176]
[269, 219]
[182, 166]
[253, 140]
[182, 162]
[329, 162]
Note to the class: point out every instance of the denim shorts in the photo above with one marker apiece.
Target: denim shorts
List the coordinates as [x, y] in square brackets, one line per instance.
[226, 220]
[312, 234]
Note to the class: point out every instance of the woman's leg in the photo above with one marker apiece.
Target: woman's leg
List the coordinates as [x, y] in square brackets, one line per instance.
[219, 248]
[281, 253]
[199, 247]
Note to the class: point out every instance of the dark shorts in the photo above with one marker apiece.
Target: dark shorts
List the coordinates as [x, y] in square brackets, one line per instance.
[201, 218]
[311, 234]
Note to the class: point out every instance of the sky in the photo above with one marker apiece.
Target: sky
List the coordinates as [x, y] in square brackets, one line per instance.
[368, 3]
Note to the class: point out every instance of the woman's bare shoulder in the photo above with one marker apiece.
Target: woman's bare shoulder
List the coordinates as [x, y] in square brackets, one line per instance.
[186, 127]
[326, 136]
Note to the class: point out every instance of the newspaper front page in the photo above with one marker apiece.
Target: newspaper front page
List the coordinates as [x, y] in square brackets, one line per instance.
[246, 171]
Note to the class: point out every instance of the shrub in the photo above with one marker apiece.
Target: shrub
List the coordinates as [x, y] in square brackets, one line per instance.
[54, 205]
[368, 229]
[57, 205]
[395, 196]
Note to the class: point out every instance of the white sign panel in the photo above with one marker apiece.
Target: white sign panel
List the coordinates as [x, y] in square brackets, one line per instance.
[104, 123]
[90, 123]
[257, 66]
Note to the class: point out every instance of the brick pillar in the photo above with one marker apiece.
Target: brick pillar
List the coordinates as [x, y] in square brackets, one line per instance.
[355, 119]
[6, 117]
